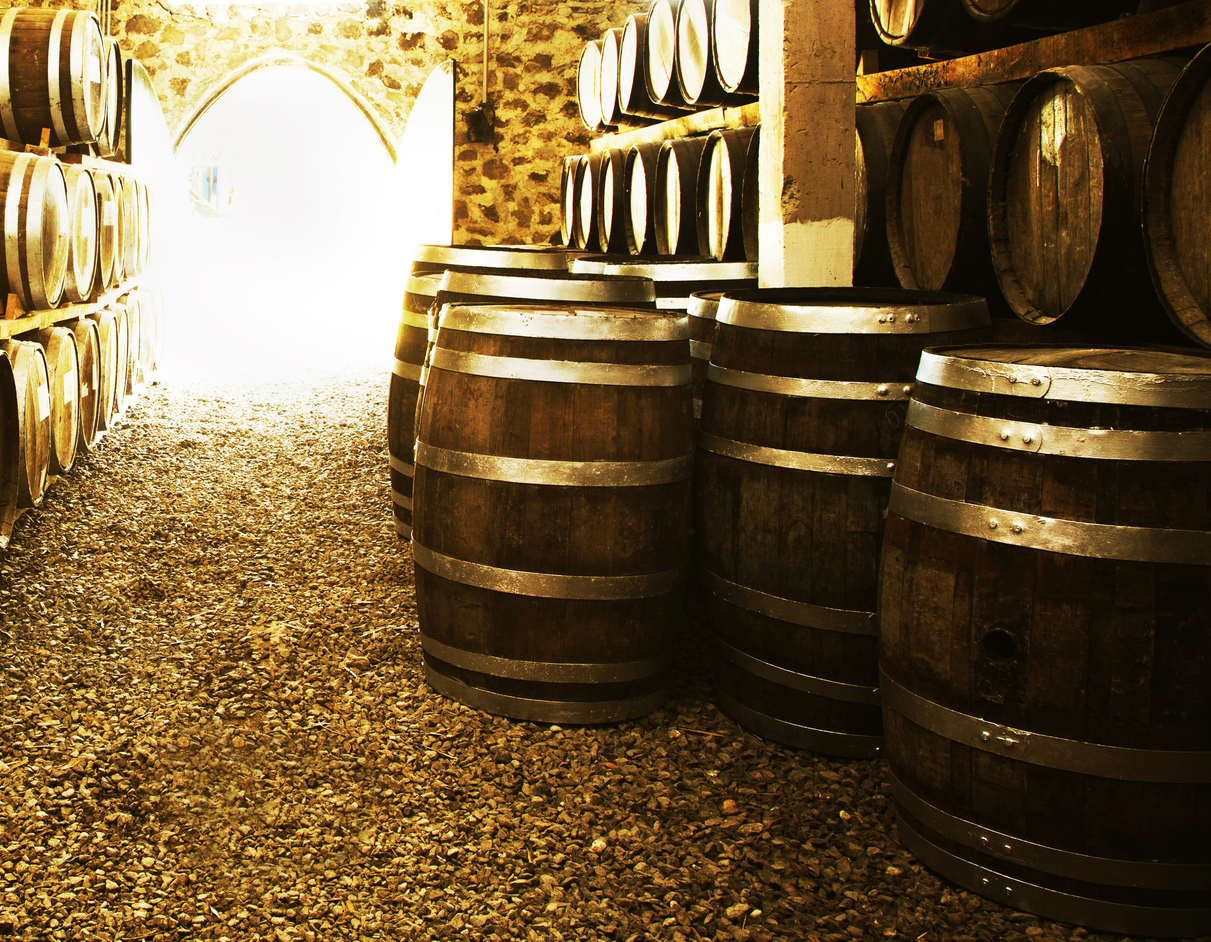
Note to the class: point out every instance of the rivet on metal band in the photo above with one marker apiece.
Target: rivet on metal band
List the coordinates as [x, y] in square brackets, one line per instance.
[406, 370]
[548, 672]
[1069, 755]
[560, 473]
[403, 467]
[560, 371]
[570, 324]
[797, 460]
[848, 621]
[853, 319]
[6, 93]
[809, 388]
[1050, 534]
[805, 683]
[400, 500]
[1100, 443]
[548, 585]
[1065, 863]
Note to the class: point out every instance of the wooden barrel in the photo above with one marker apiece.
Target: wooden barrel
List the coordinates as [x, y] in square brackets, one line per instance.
[567, 215]
[106, 144]
[734, 46]
[80, 274]
[551, 534]
[121, 387]
[876, 125]
[611, 202]
[588, 185]
[88, 345]
[613, 114]
[640, 217]
[52, 76]
[660, 47]
[153, 305]
[1044, 600]
[10, 449]
[697, 78]
[677, 167]
[120, 223]
[63, 375]
[108, 238]
[1177, 201]
[33, 193]
[751, 200]
[801, 419]
[633, 81]
[128, 201]
[1052, 16]
[588, 86]
[33, 412]
[937, 189]
[721, 193]
[440, 258]
[108, 368]
[144, 213]
[938, 28]
[702, 310]
[1064, 199]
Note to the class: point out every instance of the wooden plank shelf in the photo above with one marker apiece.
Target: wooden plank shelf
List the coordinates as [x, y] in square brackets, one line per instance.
[700, 122]
[36, 320]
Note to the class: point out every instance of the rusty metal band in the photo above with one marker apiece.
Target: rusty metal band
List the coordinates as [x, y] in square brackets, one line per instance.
[1100, 443]
[405, 370]
[810, 388]
[559, 371]
[1187, 767]
[537, 290]
[1053, 904]
[700, 350]
[1054, 860]
[13, 229]
[1050, 534]
[400, 500]
[797, 460]
[403, 467]
[6, 92]
[52, 76]
[828, 741]
[414, 319]
[805, 614]
[548, 585]
[548, 672]
[853, 319]
[589, 324]
[1112, 387]
[805, 683]
[543, 711]
[559, 473]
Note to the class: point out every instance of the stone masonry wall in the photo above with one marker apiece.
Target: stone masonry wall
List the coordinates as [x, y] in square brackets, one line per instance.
[385, 49]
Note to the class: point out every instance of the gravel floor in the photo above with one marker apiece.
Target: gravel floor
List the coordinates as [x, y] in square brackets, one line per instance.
[214, 726]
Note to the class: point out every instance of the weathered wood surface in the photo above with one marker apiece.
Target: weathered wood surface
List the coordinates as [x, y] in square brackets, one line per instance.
[876, 131]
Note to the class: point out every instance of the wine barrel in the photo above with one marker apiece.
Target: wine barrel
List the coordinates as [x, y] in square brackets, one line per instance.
[153, 300]
[52, 76]
[876, 125]
[551, 534]
[734, 46]
[121, 385]
[144, 214]
[1051, 16]
[611, 202]
[1177, 201]
[128, 200]
[106, 144]
[108, 368]
[633, 81]
[121, 222]
[937, 189]
[440, 258]
[1064, 199]
[33, 192]
[660, 47]
[10, 448]
[132, 304]
[1045, 594]
[677, 167]
[721, 193]
[587, 189]
[88, 345]
[640, 217]
[702, 309]
[697, 78]
[613, 113]
[938, 28]
[751, 200]
[588, 86]
[80, 273]
[567, 214]
[801, 418]
[63, 376]
[33, 411]
[108, 238]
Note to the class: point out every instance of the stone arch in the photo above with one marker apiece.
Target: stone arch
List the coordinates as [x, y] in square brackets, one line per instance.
[288, 60]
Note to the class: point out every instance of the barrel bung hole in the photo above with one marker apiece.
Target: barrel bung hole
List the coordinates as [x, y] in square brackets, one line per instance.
[1000, 645]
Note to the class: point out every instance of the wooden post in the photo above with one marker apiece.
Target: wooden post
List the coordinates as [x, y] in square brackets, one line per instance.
[806, 162]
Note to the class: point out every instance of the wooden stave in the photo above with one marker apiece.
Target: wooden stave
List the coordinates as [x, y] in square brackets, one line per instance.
[660, 47]
[1189, 313]
[875, 126]
[131, 233]
[730, 218]
[33, 408]
[36, 272]
[754, 644]
[136, 369]
[645, 621]
[686, 154]
[1054, 592]
[723, 51]
[751, 200]
[10, 449]
[80, 279]
[587, 184]
[121, 385]
[567, 174]
[702, 309]
[88, 344]
[633, 82]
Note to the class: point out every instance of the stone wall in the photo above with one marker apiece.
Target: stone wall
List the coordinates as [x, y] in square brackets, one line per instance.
[384, 49]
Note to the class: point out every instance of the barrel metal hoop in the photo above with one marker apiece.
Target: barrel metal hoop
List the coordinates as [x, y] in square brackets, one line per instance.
[809, 388]
[805, 614]
[560, 371]
[700, 350]
[414, 319]
[13, 228]
[559, 473]
[549, 585]
[52, 77]
[405, 370]
[850, 319]
[1053, 904]
[1051, 534]
[806, 683]
[565, 324]
[403, 529]
[1169, 766]
[541, 290]
[401, 500]
[548, 672]
[828, 741]
[1114, 872]
[543, 711]
[1060, 440]
[6, 90]
[1111, 387]
[796, 460]
[403, 467]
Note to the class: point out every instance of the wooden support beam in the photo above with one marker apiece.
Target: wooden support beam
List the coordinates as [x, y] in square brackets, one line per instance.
[806, 172]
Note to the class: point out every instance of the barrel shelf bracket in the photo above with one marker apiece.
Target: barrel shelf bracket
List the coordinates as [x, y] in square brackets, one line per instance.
[36, 320]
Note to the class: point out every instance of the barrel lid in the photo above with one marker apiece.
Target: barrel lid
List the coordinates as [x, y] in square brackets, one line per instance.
[1129, 376]
[561, 287]
[566, 322]
[852, 310]
[492, 256]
